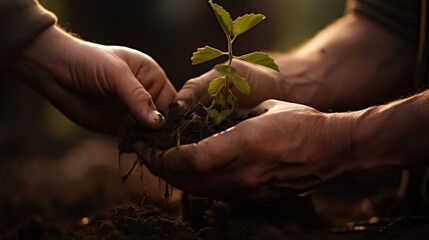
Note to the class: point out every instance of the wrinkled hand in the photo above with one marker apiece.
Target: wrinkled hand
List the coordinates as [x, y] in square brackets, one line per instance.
[94, 85]
[288, 149]
[265, 84]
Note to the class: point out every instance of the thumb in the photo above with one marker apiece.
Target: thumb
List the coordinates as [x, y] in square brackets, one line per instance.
[195, 90]
[139, 102]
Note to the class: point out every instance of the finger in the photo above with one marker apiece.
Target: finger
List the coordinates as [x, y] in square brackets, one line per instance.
[150, 157]
[210, 166]
[190, 169]
[138, 101]
[207, 155]
[276, 106]
[156, 82]
[166, 96]
[195, 90]
[264, 107]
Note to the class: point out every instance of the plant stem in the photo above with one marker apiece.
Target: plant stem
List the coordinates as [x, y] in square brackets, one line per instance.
[230, 56]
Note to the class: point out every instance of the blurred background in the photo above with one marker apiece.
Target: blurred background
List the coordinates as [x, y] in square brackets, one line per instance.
[169, 31]
[40, 150]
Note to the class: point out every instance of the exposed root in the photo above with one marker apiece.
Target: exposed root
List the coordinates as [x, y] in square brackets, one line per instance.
[128, 173]
[144, 186]
[166, 191]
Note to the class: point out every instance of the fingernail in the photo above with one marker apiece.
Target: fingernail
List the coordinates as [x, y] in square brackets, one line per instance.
[156, 117]
[181, 102]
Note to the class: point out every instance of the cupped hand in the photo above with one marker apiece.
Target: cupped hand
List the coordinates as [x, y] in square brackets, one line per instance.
[96, 86]
[287, 149]
[265, 84]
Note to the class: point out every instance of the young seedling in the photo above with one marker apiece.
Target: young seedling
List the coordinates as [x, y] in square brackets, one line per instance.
[220, 89]
[223, 99]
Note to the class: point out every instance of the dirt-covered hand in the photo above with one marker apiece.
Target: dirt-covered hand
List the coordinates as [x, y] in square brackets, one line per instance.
[265, 84]
[287, 149]
[94, 85]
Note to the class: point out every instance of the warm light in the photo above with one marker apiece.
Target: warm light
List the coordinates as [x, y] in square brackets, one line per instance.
[373, 220]
[359, 228]
[84, 221]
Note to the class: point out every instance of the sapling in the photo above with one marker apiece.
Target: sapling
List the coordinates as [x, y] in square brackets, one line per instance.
[223, 99]
[220, 89]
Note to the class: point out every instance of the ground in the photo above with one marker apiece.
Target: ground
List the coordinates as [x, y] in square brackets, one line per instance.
[78, 195]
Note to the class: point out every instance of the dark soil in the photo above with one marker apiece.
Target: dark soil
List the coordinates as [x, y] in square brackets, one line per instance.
[129, 222]
[182, 127]
[209, 219]
[293, 219]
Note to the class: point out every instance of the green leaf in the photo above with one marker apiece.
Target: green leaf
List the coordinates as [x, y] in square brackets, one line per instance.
[261, 59]
[223, 115]
[225, 70]
[215, 114]
[244, 23]
[216, 85]
[220, 116]
[219, 100]
[223, 17]
[241, 84]
[205, 54]
[195, 117]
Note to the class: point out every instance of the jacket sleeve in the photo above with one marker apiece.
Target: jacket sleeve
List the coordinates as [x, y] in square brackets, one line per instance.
[402, 17]
[20, 22]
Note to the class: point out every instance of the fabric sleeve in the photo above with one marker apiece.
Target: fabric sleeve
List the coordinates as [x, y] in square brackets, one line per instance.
[402, 17]
[20, 22]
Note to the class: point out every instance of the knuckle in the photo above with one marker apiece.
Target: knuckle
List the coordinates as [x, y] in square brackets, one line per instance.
[251, 180]
[148, 58]
[270, 102]
[141, 94]
[195, 83]
[267, 105]
[121, 65]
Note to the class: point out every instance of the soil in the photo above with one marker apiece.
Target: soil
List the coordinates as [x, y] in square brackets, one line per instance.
[209, 219]
[182, 127]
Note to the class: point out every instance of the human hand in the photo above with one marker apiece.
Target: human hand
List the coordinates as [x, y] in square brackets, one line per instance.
[265, 84]
[94, 85]
[287, 149]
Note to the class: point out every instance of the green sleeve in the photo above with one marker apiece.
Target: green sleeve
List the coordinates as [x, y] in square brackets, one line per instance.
[402, 17]
[20, 22]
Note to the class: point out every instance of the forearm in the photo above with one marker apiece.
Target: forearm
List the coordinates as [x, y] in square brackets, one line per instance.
[44, 60]
[390, 137]
[352, 64]
[20, 22]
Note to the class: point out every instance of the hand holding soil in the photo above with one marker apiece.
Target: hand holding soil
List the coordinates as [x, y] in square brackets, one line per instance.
[291, 148]
[286, 150]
